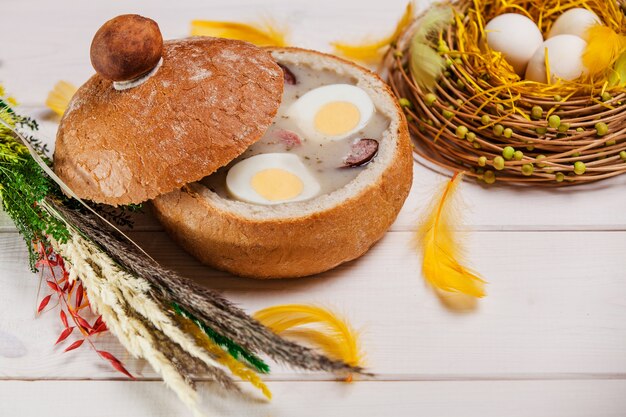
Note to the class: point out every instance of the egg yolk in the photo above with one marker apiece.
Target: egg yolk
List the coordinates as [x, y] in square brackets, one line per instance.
[337, 118]
[276, 184]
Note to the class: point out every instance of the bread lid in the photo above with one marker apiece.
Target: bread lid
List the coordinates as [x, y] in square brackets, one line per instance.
[203, 105]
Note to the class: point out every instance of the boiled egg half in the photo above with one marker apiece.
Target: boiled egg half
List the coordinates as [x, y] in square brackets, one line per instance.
[332, 112]
[271, 178]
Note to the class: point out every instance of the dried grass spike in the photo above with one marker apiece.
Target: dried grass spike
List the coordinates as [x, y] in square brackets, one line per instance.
[237, 368]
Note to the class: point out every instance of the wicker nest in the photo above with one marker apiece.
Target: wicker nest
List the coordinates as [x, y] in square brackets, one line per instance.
[519, 132]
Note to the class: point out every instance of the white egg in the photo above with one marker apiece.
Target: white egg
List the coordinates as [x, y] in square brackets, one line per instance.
[271, 178]
[516, 37]
[332, 112]
[565, 55]
[574, 22]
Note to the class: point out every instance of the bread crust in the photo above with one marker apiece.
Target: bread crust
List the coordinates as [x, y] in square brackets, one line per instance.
[298, 245]
[209, 101]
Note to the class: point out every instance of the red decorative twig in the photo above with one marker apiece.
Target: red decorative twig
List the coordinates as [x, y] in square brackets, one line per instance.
[58, 282]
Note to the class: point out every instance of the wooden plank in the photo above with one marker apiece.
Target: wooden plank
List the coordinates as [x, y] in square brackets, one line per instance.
[312, 399]
[555, 306]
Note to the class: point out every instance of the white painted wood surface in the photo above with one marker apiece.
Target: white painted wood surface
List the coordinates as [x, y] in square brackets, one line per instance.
[549, 339]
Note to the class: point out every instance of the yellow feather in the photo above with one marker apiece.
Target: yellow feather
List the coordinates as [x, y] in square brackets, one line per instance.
[604, 46]
[60, 96]
[237, 368]
[266, 34]
[442, 251]
[371, 51]
[427, 64]
[315, 325]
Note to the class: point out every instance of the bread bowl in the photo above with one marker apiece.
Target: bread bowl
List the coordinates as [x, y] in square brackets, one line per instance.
[278, 240]
[307, 237]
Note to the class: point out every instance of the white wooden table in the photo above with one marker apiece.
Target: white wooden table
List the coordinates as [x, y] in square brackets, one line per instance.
[549, 339]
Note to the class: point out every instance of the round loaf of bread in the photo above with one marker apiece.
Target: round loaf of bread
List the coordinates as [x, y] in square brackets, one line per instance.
[208, 101]
[307, 237]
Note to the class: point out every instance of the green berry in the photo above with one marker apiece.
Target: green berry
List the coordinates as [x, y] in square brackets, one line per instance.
[447, 114]
[498, 130]
[530, 148]
[518, 155]
[508, 153]
[460, 84]
[558, 98]
[576, 154]
[471, 137]
[579, 168]
[541, 130]
[461, 132]
[601, 129]
[447, 74]
[398, 54]
[622, 155]
[610, 142]
[405, 102]
[476, 145]
[443, 47]
[554, 121]
[559, 177]
[458, 62]
[606, 96]
[539, 159]
[527, 169]
[482, 161]
[508, 132]
[485, 120]
[430, 99]
[580, 129]
[536, 112]
[448, 63]
[500, 108]
[564, 127]
[489, 177]
[498, 163]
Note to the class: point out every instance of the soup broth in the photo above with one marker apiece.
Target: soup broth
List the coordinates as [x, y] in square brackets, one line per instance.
[326, 159]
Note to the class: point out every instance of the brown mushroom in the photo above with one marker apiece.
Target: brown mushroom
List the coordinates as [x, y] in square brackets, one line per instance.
[126, 47]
